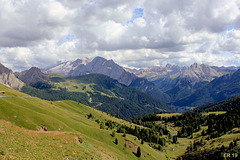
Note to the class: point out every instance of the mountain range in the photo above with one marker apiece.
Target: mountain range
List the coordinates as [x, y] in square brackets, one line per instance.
[170, 84]
[189, 86]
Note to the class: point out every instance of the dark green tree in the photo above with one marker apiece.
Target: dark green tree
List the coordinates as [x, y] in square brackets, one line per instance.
[116, 141]
[230, 146]
[139, 152]
[174, 139]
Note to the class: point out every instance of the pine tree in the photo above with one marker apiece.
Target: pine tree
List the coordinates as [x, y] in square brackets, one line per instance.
[222, 148]
[230, 146]
[116, 141]
[138, 152]
[174, 139]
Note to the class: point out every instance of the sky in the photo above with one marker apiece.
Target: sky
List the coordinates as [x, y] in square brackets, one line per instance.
[135, 33]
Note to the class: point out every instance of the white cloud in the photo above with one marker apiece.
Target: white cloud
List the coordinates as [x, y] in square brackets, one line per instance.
[136, 33]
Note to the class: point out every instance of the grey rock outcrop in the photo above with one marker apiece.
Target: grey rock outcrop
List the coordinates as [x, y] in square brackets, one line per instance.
[8, 78]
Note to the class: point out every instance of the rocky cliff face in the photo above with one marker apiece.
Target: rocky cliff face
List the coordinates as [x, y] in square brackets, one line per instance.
[107, 67]
[33, 75]
[8, 78]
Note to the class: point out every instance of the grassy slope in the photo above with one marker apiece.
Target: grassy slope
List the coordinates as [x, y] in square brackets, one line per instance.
[69, 120]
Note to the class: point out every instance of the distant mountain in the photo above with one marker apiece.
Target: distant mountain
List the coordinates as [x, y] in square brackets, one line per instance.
[174, 77]
[8, 78]
[217, 90]
[226, 105]
[32, 76]
[107, 67]
[98, 65]
[154, 73]
[66, 67]
[199, 72]
[225, 70]
[178, 82]
[193, 78]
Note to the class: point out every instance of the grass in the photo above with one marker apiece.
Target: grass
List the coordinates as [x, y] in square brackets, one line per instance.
[21, 143]
[166, 115]
[75, 85]
[65, 120]
[216, 112]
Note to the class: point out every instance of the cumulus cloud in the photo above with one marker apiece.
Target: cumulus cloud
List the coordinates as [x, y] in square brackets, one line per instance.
[138, 33]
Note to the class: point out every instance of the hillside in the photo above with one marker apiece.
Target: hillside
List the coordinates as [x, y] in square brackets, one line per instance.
[150, 88]
[199, 135]
[100, 92]
[71, 131]
[226, 105]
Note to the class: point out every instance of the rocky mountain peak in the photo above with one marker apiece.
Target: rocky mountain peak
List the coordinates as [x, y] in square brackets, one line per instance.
[33, 75]
[107, 67]
[66, 67]
[201, 72]
[197, 73]
[8, 78]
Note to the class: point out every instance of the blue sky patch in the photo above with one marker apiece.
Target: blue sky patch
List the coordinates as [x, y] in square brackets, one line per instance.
[137, 13]
[226, 54]
[69, 37]
[231, 27]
